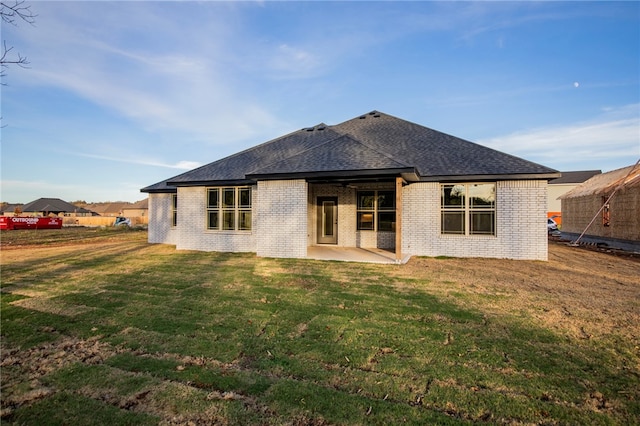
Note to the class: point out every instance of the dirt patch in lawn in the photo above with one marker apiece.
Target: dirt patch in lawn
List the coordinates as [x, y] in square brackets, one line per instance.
[51, 306]
[581, 291]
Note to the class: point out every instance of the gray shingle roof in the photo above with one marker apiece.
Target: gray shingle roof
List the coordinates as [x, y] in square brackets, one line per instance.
[52, 205]
[159, 187]
[370, 143]
[342, 154]
[575, 176]
[433, 153]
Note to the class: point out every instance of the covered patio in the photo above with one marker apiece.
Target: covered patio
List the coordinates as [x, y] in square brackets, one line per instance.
[353, 254]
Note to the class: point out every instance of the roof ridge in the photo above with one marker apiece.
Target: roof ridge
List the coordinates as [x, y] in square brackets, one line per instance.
[341, 134]
[385, 154]
[299, 152]
[267, 143]
[377, 114]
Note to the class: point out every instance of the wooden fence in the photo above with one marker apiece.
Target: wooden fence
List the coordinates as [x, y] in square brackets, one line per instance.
[92, 221]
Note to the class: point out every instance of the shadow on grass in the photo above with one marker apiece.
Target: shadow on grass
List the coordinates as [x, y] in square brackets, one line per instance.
[58, 267]
[294, 342]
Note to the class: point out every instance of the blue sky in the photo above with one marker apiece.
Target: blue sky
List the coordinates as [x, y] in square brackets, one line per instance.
[120, 95]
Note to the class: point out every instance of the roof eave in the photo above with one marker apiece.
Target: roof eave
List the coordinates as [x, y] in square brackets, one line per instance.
[409, 174]
[227, 182]
[159, 191]
[466, 178]
[408, 171]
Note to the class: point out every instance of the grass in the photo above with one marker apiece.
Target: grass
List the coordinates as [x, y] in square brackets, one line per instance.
[112, 330]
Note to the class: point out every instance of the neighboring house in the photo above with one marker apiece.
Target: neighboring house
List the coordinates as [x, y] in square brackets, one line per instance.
[10, 209]
[375, 181]
[562, 185]
[108, 209]
[53, 206]
[617, 223]
[137, 209]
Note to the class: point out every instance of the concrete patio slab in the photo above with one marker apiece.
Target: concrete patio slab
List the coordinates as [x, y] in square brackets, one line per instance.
[352, 254]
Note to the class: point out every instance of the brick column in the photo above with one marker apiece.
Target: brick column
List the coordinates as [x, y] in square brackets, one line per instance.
[281, 228]
[399, 182]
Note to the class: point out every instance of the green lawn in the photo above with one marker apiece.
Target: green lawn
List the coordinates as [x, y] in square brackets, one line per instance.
[116, 331]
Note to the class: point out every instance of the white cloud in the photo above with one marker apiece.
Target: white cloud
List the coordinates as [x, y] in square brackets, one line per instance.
[175, 80]
[196, 74]
[182, 165]
[186, 165]
[292, 62]
[482, 98]
[33, 184]
[610, 139]
[21, 191]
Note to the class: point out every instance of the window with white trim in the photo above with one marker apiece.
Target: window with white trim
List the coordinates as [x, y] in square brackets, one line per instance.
[376, 211]
[229, 208]
[174, 210]
[468, 209]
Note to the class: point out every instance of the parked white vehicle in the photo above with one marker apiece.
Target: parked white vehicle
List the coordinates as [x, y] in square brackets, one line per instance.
[122, 221]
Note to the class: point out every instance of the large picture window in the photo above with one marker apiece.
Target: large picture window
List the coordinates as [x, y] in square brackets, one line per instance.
[229, 209]
[468, 209]
[376, 211]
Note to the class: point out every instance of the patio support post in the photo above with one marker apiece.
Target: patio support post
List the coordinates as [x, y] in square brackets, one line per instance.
[399, 182]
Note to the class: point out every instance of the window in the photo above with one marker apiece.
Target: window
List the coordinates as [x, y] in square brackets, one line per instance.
[376, 211]
[229, 209]
[174, 210]
[468, 209]
[606, 217]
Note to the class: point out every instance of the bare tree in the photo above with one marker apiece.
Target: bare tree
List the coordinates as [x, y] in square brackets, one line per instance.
[11, 13]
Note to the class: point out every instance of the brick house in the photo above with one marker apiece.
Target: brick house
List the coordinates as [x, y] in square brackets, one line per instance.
[375, 181]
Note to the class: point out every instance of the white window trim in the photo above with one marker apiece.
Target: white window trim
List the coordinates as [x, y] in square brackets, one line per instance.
[174, 210]
[237, 209]
[467, 210]
[375, 211]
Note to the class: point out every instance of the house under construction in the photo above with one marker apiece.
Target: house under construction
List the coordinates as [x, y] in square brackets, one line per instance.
[605, 209]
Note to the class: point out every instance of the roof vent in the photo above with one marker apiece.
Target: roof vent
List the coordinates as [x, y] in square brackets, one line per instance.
[309, 129]
[372, 113]
[362, 117]
[376, 116]
[321, 128]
